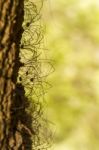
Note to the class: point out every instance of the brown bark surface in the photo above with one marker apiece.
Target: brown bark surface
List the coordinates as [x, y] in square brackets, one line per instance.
[11, 18]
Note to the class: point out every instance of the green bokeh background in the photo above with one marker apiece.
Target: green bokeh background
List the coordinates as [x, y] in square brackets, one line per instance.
[72, 39]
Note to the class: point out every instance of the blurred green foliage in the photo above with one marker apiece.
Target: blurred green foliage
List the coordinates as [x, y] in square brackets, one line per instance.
[72, 33]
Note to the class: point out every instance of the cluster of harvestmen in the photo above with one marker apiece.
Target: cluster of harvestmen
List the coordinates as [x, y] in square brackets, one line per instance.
[31, 74]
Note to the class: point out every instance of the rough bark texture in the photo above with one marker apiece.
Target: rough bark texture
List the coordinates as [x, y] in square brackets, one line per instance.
[11, 127]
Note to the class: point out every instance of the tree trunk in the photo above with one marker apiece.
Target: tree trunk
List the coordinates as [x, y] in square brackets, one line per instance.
[11, 18]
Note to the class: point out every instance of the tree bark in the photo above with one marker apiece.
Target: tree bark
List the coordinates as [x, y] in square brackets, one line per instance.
[11, 18]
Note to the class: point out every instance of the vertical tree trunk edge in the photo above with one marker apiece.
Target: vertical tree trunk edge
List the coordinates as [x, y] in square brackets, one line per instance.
[13, 131]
